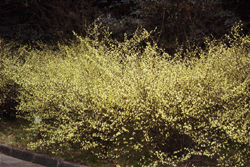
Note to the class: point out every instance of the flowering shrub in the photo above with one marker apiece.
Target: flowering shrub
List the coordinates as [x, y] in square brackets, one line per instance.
[8, 88]
[140, 106]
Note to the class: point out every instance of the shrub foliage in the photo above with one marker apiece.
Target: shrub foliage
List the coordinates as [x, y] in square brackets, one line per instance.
[8, 92]
[135, 105]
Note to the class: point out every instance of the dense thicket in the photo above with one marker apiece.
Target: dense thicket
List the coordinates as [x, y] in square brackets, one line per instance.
[134, 107]
[147, 98]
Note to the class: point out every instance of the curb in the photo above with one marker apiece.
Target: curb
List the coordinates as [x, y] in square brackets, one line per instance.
[35, 158]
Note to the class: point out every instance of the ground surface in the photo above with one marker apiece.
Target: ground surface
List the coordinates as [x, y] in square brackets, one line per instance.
[14, 157]
[7, 161]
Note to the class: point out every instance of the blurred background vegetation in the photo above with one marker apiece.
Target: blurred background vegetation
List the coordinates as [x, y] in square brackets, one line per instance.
[179, 23]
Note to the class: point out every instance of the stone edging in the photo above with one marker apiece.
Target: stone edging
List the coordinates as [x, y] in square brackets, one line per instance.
[35, 158]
